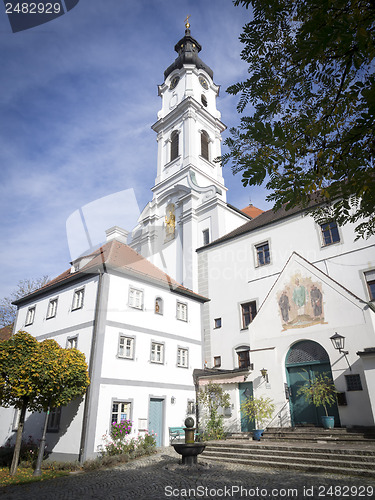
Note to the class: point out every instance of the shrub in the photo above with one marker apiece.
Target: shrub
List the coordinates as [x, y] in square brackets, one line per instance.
[120, 430]
[28, 453]
[128, 446]
[259, 409]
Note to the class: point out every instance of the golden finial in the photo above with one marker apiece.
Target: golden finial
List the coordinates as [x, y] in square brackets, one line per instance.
[187, 24]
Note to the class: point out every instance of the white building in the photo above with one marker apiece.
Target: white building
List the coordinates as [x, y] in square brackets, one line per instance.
[278, 287]
[141, 334]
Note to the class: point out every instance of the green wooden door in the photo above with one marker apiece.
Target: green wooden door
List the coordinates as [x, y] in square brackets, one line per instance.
[246, 391]
[305, 360]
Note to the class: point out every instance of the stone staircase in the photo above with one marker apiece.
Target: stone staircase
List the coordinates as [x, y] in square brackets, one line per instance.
[307, 450]
[314, 434]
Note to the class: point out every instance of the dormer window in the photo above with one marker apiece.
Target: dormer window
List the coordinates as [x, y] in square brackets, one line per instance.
[174, 145]
[204, 145]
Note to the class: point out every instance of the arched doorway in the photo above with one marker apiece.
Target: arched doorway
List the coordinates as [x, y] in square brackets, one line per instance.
[304, 361]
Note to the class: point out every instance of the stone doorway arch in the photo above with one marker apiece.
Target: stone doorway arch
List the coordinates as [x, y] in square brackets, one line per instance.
[304, 361]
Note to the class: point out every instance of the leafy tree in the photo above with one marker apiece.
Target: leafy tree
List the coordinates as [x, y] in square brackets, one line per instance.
[212, 397]
[258, 409]
[320, 392]
[36, 376]
[8, 311]
[312, 94]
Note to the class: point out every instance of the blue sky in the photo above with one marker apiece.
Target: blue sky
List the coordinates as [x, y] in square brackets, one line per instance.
[78, 98]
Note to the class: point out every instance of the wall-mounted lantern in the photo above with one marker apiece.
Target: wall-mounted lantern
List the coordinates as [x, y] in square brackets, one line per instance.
[338, 342]
[264, 373]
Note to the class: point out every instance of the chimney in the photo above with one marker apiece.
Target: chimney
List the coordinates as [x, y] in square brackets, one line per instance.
[117, 233]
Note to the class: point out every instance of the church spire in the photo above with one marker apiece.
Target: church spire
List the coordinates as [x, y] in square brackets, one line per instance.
[187, 49]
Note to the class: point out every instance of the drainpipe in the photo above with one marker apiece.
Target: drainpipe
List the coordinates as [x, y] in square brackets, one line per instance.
[196, 383]
[82, 449]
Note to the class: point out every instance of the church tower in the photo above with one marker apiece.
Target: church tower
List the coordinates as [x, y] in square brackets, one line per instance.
[189, 207]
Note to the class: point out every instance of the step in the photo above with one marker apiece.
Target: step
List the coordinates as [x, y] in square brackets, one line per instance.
[251, 446]
[367, 472]
[311, 434]
[303, 455]
[344, 461]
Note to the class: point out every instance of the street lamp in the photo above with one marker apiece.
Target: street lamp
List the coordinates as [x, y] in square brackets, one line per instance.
[264, 373]
[338, 342]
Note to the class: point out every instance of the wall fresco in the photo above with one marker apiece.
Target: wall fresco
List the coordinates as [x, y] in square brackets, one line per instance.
[301, 303]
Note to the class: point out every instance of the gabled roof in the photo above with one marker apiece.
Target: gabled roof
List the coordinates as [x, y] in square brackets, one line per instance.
[265, 219]
[117, 256]
[296, 257]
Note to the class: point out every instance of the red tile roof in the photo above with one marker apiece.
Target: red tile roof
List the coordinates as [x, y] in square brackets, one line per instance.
[118, 256]
[252, 211]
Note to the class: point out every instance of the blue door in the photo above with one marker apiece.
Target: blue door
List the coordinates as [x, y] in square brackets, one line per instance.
[246, 391]
[155, 420]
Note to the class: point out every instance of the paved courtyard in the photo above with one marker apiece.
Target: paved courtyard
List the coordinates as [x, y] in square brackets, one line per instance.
[160, 477]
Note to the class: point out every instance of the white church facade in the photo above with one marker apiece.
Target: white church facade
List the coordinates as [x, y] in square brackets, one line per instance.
[205, 292]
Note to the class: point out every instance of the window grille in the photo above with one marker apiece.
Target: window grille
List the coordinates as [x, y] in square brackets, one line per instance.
[307, 352]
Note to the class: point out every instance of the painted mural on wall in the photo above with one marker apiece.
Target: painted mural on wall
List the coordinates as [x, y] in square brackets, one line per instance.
[301, 303]
[170, 222]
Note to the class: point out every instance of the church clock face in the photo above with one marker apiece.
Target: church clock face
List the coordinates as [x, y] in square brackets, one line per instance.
[174, 82]
[203, 82]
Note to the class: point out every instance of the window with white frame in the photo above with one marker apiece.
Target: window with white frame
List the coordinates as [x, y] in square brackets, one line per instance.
[72, 342]
[217, 361]
[206, 236]
[243, 358]
[78, 299]
[157, 352]
[52, 308]
[262, 254]
[204, 145]
[120, 411]
[330, 233]
[182, 357]
[248, 313]
[174, 145]
[53, 424]
[126, 347]
[135, 298]
[190, 407]
[30, 316]
[181, 311]
[370, 281]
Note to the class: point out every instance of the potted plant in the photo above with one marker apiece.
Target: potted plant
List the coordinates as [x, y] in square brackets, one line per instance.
[258, 409]
[321, 392]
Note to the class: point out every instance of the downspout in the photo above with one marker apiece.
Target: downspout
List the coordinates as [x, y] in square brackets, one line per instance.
[91, 367]
[196, 384]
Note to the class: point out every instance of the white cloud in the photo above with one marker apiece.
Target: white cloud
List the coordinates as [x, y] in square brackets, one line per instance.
[79, 96]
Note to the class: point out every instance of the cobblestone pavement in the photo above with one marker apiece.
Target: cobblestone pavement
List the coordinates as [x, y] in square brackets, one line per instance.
[159, 477]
